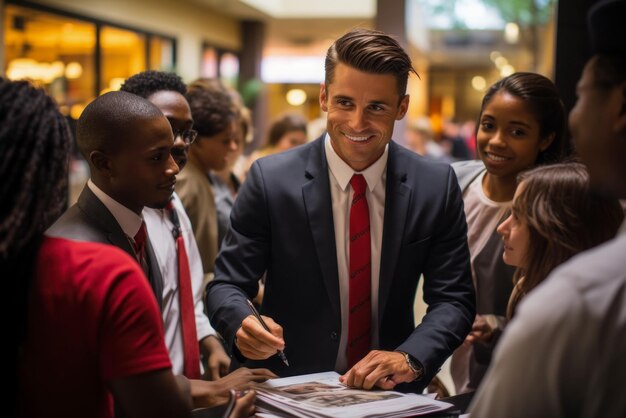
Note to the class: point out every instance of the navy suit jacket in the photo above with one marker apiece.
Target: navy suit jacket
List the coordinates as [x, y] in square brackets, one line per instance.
[89, 220]
[282, 223]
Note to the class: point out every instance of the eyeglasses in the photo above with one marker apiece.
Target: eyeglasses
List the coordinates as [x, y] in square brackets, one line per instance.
[188, 135]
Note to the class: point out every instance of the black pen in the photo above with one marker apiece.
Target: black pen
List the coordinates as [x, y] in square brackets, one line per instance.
[258, 316]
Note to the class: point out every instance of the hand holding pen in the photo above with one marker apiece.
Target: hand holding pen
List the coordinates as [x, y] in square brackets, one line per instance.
[259, 338]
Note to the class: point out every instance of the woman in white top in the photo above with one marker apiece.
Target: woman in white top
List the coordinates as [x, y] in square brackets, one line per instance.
[521, 125]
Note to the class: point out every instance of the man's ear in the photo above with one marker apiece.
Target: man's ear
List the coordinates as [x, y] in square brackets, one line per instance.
[101, 162]
[323, 97]
[403, 107]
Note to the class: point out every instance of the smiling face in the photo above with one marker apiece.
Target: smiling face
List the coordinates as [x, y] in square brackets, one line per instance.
[508, 137]
[142, 172]
[176, 109]
[515, 234]
[362, 110]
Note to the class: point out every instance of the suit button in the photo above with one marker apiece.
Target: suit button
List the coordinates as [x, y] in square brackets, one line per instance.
[334, 336]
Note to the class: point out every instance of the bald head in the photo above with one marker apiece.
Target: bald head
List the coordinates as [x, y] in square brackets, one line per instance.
[110, 120]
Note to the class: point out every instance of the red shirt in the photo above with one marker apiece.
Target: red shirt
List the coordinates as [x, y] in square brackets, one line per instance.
[92, 319]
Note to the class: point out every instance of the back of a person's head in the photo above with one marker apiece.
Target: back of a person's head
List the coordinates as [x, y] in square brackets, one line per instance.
[286, 123]
[542, 97]
[34, 148]
[110, 120]
[607, 30]
[212, 106]
[34, 153]
[146, 83]
[371, 52]
[563, 215]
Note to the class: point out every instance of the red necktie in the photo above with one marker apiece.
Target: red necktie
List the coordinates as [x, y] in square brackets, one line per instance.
[139, 243]
[191, 367]
[359, 303]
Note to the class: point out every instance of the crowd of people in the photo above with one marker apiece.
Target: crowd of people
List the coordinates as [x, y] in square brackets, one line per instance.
[135, 300]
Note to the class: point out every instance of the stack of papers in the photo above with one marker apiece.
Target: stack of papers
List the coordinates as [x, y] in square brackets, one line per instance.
[322, 395]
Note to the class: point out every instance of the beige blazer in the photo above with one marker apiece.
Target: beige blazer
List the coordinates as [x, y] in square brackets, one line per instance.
[196, 192]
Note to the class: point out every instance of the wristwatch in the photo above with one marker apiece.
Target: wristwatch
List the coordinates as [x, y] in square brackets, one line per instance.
[415, 366]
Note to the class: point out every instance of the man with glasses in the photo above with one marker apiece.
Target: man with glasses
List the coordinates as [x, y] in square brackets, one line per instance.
[166, 91]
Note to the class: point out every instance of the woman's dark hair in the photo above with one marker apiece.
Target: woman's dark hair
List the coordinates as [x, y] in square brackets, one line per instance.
[564, 217]
[34, 155]
[544, 101]
[289, 122]
[212, 106]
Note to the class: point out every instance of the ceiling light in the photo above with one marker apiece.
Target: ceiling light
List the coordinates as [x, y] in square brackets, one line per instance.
[511, 33]
[296, 97]
[479, 83]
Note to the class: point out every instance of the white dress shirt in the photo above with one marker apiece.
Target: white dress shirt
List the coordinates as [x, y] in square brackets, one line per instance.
[375, 175]
[160, 228]
[129, 221]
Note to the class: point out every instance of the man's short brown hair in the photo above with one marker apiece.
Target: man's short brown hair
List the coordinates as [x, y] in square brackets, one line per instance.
[372, 52]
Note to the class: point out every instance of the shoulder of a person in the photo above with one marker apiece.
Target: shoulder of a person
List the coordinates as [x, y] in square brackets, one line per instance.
[86, 260]
[594, 272]
[98, 253]
[468, 167]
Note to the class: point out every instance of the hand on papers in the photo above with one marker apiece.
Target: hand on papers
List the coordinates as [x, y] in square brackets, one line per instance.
[208, 394]
[382, 369]
[245, 406]
[255, 343]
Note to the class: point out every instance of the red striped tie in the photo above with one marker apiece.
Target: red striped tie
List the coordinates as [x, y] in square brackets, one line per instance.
[359, 316]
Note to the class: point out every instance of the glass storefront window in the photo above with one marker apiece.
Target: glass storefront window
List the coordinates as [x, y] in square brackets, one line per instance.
[229, 69]
[161, 53]
[123, 54]
[209, 62]
[55, 52]
[58, 52]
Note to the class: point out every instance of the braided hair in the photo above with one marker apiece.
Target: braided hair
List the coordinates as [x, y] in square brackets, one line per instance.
[34, 148]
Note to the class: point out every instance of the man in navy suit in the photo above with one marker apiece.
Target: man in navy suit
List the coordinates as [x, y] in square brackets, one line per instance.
[293, 219]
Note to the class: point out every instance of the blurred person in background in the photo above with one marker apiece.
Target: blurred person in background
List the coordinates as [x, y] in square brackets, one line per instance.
[288, 131]
[419, 139]
[216, 119]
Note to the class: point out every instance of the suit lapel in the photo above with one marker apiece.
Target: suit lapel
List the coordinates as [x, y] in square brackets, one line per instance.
[397, 198]
[154, 277]
[318, 206]
[100, 216]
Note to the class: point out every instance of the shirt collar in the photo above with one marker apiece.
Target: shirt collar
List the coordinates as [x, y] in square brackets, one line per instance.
[129, 221]
[343, 172]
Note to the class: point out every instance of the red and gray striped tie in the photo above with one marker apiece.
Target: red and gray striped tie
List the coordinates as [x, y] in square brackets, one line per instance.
[359, 303]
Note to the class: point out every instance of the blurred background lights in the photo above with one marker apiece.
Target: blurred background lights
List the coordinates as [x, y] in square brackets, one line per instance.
[479, 83]
[296, 97]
